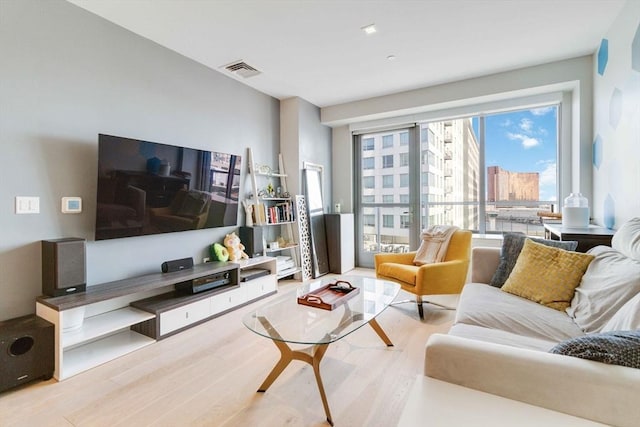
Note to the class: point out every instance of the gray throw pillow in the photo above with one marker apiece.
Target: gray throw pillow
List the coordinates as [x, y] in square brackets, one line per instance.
[615, 348]
[512, 244]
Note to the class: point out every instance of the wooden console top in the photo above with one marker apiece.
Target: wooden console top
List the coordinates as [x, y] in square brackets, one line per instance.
[118, 288]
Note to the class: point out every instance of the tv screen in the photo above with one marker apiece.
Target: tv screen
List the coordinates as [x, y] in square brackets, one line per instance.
[148, 188]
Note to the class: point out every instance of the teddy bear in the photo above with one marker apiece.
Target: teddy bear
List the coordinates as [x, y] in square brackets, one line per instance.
[235, 247]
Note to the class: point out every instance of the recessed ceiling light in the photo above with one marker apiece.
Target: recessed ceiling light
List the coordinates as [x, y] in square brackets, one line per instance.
[391, 57]
[369, 29]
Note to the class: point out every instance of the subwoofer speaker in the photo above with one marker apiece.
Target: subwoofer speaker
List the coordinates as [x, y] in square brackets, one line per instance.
[251, 238]
[63, 266]
[26, 351]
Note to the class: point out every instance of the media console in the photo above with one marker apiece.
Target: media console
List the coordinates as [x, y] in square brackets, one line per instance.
[112, 319]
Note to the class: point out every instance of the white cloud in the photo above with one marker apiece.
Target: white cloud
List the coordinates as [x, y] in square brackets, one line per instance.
[526, 141]
[548, 174]
[526, 124]
[541, 111]
[507, 123]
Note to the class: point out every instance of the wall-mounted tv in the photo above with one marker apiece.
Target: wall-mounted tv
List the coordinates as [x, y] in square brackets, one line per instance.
[148, 188]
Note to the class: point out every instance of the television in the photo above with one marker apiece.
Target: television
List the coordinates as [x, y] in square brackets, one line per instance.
[149, 188]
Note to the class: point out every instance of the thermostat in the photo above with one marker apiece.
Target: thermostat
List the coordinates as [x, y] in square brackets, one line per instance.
[71, 204]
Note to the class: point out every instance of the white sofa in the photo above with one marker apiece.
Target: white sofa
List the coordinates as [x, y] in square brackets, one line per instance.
[499, 342]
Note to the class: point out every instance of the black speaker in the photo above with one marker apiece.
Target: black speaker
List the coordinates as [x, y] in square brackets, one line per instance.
[26, 351]
[251, 238]
[177, 265]
[63, 266]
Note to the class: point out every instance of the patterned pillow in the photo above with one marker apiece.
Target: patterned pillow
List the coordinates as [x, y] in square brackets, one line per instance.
[548, 276]
[615, 348]
[512, 244]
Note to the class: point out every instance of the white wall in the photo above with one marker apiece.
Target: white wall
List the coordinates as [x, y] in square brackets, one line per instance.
[68, 75]
[616, 142]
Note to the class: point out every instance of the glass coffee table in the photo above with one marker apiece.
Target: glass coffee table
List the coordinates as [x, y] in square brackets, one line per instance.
[285, 321]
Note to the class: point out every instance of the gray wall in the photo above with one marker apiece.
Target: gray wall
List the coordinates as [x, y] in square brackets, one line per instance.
[68, 75]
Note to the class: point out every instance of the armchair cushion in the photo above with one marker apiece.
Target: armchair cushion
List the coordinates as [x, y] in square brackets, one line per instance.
[402, 272]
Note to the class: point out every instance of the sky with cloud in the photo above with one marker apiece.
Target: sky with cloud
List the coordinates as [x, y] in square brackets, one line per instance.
[524, 141]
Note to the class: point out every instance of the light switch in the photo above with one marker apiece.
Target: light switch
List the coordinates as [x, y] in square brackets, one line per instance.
[27, 205]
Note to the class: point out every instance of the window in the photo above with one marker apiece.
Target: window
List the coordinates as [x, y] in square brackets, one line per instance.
[368, 162]
[404, 221]
[387, 181]
[404, 159]
[369, 220]
[404, 198]
[387, 221]
[368, 199]
[424, 135]
[387, 161]
[387, 198]
[368, 144]
[404, 180]
[387, 141]
[404, 138]
[368, 182]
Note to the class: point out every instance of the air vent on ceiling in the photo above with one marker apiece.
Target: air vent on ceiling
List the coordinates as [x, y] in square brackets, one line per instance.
[241, 69]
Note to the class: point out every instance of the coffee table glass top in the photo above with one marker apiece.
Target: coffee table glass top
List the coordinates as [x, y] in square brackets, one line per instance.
[284, 319]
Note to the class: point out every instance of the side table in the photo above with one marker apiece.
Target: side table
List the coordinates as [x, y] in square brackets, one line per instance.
[587, 237]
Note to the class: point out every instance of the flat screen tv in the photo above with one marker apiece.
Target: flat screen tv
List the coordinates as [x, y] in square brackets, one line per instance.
[148, 188]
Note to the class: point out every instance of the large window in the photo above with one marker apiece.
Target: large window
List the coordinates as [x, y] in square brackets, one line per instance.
[489, 173]
[368, 162]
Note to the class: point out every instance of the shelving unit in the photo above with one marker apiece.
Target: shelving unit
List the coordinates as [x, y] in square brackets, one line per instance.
[276, 213]
[110, 326]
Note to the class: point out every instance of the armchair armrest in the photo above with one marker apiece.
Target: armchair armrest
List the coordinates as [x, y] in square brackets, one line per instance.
[484, 262]
[446, 277]
[584, 388]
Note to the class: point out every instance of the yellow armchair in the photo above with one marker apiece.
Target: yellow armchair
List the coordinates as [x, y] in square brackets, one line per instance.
[446, 277]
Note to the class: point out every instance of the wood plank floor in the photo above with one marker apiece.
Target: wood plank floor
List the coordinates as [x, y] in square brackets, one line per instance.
[209, 374]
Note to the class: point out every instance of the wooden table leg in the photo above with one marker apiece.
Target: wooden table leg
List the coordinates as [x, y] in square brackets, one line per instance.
[287, 355]
[376, 327]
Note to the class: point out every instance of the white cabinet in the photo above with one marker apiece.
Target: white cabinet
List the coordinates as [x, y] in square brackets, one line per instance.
[178, 318]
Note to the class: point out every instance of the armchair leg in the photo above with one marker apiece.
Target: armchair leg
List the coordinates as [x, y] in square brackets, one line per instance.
[419, 303]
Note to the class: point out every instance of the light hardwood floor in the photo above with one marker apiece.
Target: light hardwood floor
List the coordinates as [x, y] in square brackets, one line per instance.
[209, 374]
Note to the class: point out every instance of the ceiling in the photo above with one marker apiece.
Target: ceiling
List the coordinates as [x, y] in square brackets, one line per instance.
[316, 50]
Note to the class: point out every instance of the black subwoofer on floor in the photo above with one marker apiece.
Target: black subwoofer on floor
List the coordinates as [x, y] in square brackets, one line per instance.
[26, 351]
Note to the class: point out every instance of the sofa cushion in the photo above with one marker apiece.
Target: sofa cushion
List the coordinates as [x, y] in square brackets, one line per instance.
[489, 307]
[611, 280]
[626, 239]
[627, 318]
[547, 275]
[512, 244]
[615, 348]
[498, 336]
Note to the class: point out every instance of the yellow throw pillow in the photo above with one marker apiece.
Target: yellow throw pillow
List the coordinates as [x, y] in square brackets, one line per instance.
[546, 275]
